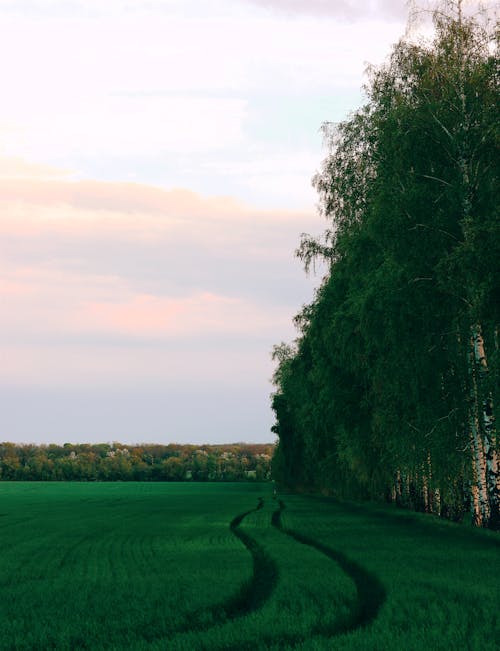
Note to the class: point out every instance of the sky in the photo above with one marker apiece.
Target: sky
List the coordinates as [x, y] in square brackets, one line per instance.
[156, 159]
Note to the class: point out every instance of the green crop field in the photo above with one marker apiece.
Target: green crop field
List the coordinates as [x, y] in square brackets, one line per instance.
[186, 567]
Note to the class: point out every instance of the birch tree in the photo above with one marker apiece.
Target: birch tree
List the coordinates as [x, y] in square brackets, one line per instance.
[395, 377]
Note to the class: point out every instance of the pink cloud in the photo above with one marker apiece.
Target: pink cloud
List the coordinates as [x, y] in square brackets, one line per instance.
[125, 198]
[46, 303]
[199, 315]
[12, 288]
[163, 304]
[121, 281]
[139, 213]
[13, 167]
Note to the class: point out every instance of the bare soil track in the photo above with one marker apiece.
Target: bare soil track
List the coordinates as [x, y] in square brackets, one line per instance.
[265, 571]
[252, 594]
[258, 590]
[371, 592]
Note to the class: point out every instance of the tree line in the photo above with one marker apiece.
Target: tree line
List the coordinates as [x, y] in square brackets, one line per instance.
[118, 462]
[391, 389]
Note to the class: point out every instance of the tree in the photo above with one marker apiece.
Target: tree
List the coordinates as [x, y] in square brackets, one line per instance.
[393, 377]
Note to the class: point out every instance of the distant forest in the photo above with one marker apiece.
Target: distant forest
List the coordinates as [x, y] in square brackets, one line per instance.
[391, 390]
[117, 462]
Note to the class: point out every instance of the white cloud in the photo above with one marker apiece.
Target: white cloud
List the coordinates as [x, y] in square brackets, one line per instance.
[342, 9]
[129, 128]
[357, 11]
[148, 84]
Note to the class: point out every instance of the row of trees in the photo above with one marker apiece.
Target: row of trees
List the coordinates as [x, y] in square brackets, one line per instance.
[391, 389]
[113, 462]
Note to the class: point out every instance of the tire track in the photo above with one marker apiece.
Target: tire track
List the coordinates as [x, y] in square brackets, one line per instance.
[252, 594]
[371, 592]
[265, 570]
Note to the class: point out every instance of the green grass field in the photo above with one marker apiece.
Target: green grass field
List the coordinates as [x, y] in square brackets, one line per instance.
[215, 567]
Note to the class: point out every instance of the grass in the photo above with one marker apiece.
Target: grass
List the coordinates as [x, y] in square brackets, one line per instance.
[310, 595]
[187, 567]
[441, 580]
[109, 566]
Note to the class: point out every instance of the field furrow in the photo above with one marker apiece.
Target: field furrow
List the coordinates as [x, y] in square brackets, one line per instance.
[371, 592]
[169, 567]
[114, 566]
[296, 591]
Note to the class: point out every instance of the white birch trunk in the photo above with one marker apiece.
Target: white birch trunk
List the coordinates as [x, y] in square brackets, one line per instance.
[480, 501]
[488, 424]
[479, 496]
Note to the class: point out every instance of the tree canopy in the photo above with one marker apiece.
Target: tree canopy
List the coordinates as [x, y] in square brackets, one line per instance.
[391, 388]
[146, 462]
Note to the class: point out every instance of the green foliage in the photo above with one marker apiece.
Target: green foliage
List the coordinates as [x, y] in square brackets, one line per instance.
[376, 399]
[147, 462]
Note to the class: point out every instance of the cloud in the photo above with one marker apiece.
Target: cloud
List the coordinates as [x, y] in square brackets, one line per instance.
[173, 84]
[350, 10]
[122, 198]
[204, 314]
[93, 273]
[339, 8]
[356, 11]
[17, 168]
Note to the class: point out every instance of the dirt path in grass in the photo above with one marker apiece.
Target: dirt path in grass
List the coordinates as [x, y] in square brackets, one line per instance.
[265, 571]
[371, 593]
[252, 594]
[258, 589]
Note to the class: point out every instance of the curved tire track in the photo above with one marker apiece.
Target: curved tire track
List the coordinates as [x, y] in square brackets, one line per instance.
[252, 594]
[265, 570]
[371, 592]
